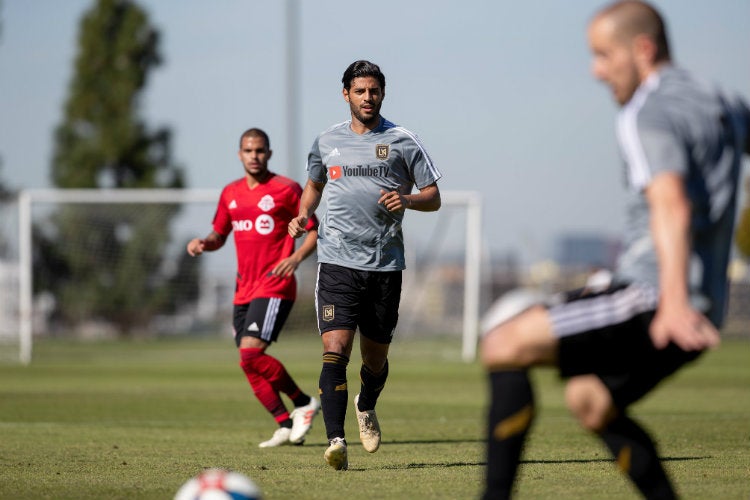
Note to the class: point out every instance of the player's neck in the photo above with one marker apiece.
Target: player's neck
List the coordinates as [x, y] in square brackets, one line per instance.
[359, 127]
[254, 180]
[651, 69]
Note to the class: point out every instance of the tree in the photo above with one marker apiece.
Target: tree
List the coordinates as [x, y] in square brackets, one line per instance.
[6, 193]
[103, 143]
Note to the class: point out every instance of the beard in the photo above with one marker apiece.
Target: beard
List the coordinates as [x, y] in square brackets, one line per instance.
[369, 118]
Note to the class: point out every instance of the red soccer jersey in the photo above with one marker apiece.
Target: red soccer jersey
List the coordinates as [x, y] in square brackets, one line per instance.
[259, 219]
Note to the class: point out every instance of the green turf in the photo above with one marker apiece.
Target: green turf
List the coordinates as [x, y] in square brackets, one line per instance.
[136, 419]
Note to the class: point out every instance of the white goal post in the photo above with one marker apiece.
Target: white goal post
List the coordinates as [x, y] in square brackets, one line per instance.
[470, 201]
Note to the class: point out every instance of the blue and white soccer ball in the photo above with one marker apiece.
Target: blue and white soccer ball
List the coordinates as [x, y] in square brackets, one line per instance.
[219, 484]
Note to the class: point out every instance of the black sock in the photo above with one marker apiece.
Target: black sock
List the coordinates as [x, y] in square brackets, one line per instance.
[301, 400]
[372, 386]
[636, 455]
[510, 416]
[286, 423]
[334, 394]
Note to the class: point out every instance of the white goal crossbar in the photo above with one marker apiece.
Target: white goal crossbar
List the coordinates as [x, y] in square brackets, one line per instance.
[473, 255]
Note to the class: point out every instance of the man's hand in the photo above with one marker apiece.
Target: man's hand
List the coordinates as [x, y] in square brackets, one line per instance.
[195, 247]
[683, 325]
[297, 226]
[285, 268]
[392, 201]
[675, 320]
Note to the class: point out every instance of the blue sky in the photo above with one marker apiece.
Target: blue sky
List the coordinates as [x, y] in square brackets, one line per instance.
[499, 92]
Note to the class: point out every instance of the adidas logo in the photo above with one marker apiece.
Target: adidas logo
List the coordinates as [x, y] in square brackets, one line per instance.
[232, 204]
[253, 327]
[333, 153]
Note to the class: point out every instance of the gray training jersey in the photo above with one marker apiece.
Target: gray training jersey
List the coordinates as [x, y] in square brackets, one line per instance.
[356, 231]
[673, 123]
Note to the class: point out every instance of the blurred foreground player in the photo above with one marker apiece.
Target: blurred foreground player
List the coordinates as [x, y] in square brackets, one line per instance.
[682, 142]
[258, 208]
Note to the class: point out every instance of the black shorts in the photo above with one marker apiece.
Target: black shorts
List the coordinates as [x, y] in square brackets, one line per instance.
[607, 334]
[349, 298]
[261, 318]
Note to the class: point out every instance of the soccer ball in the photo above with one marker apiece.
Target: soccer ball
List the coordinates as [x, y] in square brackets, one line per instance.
[219, 484]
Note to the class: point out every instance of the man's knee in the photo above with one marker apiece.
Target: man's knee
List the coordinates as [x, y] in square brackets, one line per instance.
[252, 342]
[499, 348]
[519, 342]
[338, 341]
[374, 354]
[590, 402]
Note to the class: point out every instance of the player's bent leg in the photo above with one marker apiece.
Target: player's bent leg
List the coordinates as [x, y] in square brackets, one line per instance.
[589, 400]
[636, 455]
[373, 375]
[256, 361]
[510, 305]
[508, 348]
[634, 451]
[510, 417]
[520, 342]
[263, 389]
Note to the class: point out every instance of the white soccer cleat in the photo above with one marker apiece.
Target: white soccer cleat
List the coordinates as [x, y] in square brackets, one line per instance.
[369, 428]
[280, 438]
[302, 419]
[336, 455]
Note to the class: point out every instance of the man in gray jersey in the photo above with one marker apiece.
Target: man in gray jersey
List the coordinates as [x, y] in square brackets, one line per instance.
[682, 143]
[369, 167]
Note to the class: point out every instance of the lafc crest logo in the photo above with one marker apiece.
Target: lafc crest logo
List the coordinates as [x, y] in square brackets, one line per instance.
[381, 151]
[328, 313]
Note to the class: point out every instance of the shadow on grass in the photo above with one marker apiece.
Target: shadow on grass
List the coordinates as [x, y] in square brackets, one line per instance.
[432, 441]
[418, 465]
[407, 441]
[435, 465]
[602, 460]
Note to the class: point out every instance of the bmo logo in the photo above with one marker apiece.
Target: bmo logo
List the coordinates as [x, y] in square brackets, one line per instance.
[264, 224]
[242, 225]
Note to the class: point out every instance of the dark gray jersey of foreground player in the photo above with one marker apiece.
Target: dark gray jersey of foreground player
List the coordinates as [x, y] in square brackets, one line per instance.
[675, 123]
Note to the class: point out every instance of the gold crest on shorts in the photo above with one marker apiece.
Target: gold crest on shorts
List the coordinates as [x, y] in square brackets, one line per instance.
[381, 151]
[328, 313]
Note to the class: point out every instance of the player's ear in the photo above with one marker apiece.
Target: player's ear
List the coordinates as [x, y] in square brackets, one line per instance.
[270, 152]
[345, 93]
[644, 53]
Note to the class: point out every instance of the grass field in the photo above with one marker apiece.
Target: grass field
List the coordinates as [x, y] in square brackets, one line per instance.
[134, 420]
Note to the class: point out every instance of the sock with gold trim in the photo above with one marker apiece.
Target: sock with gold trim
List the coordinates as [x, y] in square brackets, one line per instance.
[334, 393]
[635, 454]
[372, 385]
[510, 416]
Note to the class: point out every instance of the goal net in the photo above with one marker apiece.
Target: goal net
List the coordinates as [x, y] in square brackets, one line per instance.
[106, 263]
